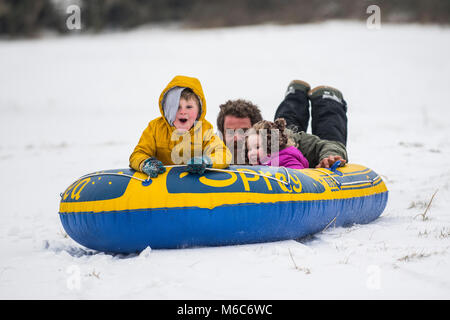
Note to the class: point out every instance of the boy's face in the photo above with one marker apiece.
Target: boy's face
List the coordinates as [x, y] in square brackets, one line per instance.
[186, 115]
[255, 151]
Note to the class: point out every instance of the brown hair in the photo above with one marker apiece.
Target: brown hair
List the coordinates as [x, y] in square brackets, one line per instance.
[268, 126]
[188, 94]
[239, 108]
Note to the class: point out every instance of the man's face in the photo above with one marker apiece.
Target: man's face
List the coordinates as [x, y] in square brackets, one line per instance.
[234, 136]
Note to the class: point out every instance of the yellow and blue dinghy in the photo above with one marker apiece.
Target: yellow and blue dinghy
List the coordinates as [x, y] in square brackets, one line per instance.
[123, 211]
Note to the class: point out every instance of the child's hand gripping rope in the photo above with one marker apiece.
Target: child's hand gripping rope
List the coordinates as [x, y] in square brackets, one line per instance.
[152, 167]
[198, 165]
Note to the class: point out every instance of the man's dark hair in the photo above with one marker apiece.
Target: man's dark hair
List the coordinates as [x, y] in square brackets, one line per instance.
[239, 108]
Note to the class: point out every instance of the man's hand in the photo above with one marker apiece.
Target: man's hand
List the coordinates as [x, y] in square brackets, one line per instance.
[329, 161]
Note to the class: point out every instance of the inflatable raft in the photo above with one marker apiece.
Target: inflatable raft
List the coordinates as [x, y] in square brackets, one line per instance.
[123, 211]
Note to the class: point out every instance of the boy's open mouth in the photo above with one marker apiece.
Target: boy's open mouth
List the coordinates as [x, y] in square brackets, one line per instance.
[183, 120]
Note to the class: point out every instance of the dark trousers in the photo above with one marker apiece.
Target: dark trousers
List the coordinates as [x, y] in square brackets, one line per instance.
[328, 116]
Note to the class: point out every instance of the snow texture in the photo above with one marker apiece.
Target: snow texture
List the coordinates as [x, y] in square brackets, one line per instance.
[77, 104]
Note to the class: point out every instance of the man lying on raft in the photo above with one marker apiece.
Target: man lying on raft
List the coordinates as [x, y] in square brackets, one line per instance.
[322, 148]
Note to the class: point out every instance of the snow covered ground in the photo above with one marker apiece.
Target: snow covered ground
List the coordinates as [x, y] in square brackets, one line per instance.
[76, 104]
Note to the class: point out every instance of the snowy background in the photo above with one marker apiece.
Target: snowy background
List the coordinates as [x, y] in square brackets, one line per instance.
[77, 104]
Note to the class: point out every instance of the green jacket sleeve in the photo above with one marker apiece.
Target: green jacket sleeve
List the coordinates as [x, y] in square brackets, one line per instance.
[316, 149]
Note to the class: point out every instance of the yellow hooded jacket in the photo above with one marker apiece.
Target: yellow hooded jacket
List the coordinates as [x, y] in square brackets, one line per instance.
[170, 146]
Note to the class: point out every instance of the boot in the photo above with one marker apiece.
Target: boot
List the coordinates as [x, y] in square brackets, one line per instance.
[326, 92]
[299, 85]
[295, 106]
[328, 114]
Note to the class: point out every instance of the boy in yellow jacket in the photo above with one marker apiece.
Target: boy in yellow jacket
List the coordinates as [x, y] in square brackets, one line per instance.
[181, 135]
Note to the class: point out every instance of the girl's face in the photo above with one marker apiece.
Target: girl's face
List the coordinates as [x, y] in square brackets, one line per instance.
[186, 115]
[255, 150]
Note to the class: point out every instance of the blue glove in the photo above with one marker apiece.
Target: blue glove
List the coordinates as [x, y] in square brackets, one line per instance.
[198, 165]
[152, 167]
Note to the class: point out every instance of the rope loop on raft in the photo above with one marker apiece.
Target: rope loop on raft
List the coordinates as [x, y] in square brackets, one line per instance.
[340, 184]
[147, 181]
